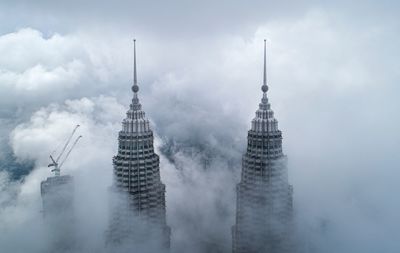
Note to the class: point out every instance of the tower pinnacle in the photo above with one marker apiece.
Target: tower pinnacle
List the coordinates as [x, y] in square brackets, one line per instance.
[264, 87]
[135, 87]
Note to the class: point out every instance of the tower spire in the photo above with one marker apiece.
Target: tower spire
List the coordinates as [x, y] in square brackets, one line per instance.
[264, 87]
[135, 87]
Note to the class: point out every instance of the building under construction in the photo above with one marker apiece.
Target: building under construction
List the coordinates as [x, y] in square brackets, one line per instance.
[138, 211]
[264, 196]
[58, 196]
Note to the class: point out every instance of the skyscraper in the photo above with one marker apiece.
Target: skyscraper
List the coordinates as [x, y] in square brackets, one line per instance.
[138, 195]
[58, 211]
[58, 202]
[264, 196]
[57, 196]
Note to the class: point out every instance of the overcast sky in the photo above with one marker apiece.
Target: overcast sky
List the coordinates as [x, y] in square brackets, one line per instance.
[333, 73]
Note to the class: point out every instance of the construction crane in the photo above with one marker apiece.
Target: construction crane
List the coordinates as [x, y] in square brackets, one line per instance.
[56, 162]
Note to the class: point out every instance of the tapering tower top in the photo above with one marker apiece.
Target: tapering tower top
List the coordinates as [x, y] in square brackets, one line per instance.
[264, 120]
[135, 121]
[264, 87]
[135, 87]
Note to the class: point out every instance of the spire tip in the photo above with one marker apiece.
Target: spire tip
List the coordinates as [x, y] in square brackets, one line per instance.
[135, 87]
[264, 87]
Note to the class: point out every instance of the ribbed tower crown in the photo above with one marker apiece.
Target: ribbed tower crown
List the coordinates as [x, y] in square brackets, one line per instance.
[264, 120]
[135, 121]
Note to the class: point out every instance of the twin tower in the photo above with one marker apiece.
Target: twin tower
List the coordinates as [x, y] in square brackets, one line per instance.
[264, 197]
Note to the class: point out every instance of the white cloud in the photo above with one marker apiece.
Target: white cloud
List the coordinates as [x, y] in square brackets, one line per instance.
[194, 195]
[36, 70]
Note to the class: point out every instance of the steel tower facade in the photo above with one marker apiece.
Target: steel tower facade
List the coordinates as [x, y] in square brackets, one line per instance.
[264, 196]
[138, 195]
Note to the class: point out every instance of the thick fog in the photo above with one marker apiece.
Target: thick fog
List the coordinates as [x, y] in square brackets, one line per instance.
[333, 74]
